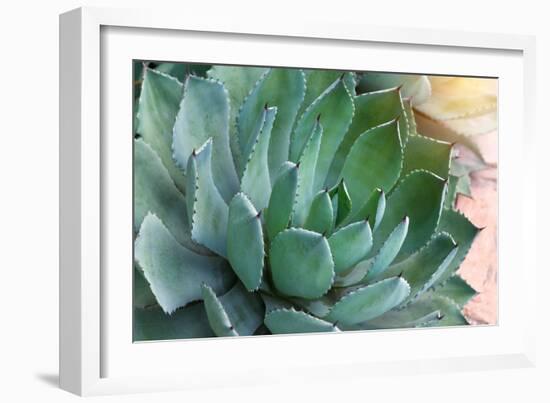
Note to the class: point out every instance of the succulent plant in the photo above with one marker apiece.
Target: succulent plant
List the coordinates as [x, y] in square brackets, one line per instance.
[454, 109]
[277, 200]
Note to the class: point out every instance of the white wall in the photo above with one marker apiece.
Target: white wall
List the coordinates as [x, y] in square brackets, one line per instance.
[29, 186]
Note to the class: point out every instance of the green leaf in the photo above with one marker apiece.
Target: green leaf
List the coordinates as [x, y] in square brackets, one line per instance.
[237, 313]
[419, 196]
[389, 250]
[205, 205]
[239, 82]
[374, 161]
[369, 302]
[301, 263]
[334, 109]
[281, 201]
[450, 196]
[182, 70]
[273, 302]
[142, 295]
[371, 110]
[204, 114]
[317, 81]
[152, 324]
[320, 215]
[463, 232]
[318, 307]
[451, 314]
[343, 203]
[427, 311]
[373, 209]
[157, 108]
[457, 289]
[353, 276]
[154, 191]
[174, 272]
[256, 182]
[428, 154]
[465, 166]
[424, 268]
[288, 321]
[350, 245]
[245, 242]
[414, 86]
[436, 130]
[463, 185]
[280, 87]
[306, 176]
[409, 114]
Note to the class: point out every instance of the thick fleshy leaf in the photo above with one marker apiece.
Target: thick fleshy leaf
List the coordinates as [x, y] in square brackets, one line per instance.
[473, 126]
[205, 205]
[424, 268]
[418, 196]
[354, 276]
[245, 241]
[463, 232]
[317, 81]
[428, 311]
[306, 176]
[343, 203]
[155, 192]
[174, 272]
[204, 114]
[414, 86]
[142, 294]
[450, 196]
[334, 110]
[389, 250]
[281, 201]
[371, 110]
[217, 317]
[450, 312]
[369, 302]
[373, 209]
[320, 217]
[464, 185]
[236, 313]
[152, 324]
[287, 321]
[301, 263]
[157, 108]
[350, 245]
[416, 314]
[280, 87]
[374, 161]
[182, 70]
[273, 302]
[409, 114]
[256, 182]
[457, 289]
[239, 83]
[459, 97]
[317, 307]
[437, 130]
[429, 154]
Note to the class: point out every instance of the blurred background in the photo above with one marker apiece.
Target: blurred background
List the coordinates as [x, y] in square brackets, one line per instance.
[464, 111]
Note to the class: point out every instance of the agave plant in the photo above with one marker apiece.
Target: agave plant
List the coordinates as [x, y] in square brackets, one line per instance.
[452, 109]
[277, 200]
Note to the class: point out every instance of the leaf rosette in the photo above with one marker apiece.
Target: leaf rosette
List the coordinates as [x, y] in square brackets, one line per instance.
[277, 200]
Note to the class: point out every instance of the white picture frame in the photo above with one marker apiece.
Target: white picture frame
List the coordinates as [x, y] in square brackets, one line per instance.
[96, 357]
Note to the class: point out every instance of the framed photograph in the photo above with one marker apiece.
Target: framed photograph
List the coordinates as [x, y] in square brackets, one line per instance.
[243, 203]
